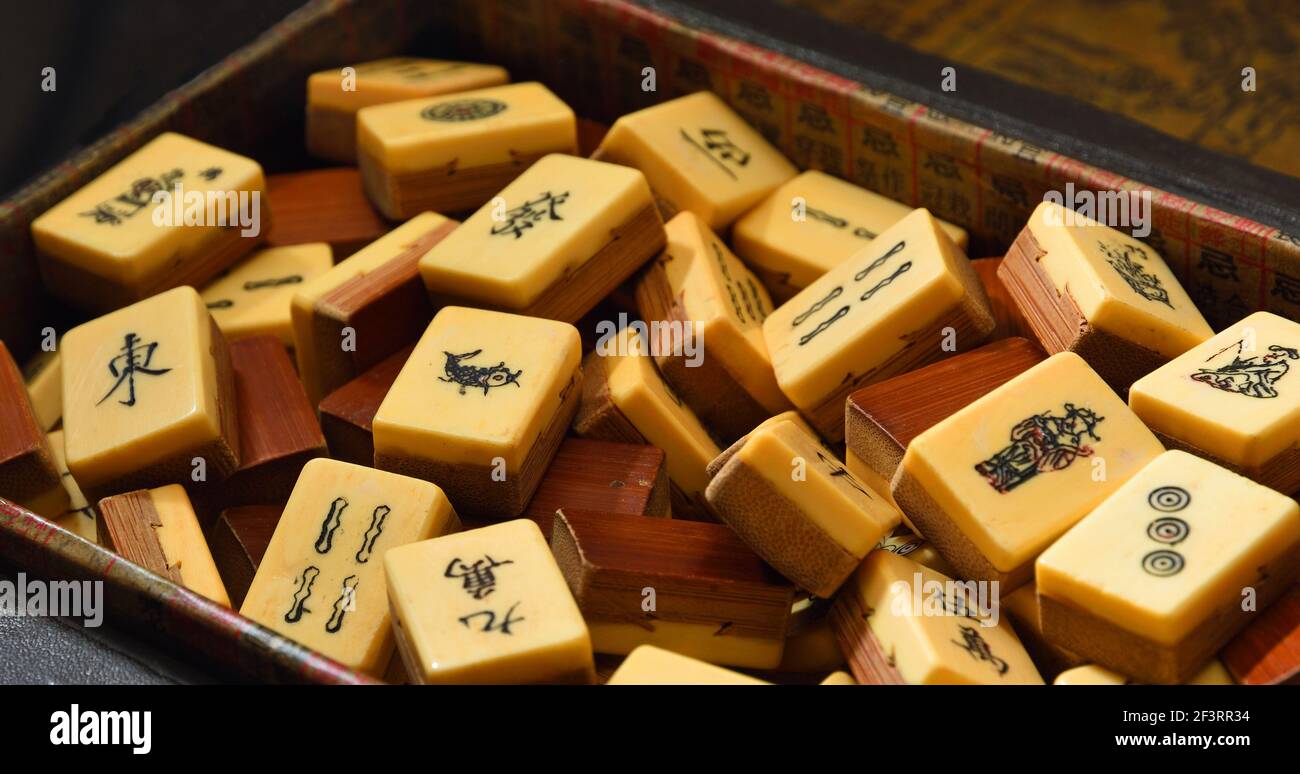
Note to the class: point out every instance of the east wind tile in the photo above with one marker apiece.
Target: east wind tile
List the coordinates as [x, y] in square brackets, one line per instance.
[149, 397]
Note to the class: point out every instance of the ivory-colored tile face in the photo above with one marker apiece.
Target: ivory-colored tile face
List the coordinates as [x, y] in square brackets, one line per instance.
[1018, 467]
[183, 543]
[254, 296]
[397, 78]
[648, 665]
[863, 472]
[815, 222]
[937, 630]
[66, 506]
[923, 553]
[321, 582]
[467, 129]
[839, 678]
[699, 155]
[1120, 285]
[44, 378]
[478, 386]
[1182, 539]
[640, 394]
[858, 315]
[798, 467]
[1090, 674]
[1236, 396]
[724, 301]
[364, 261]
[540, 229]
[1214, 673]
[108, 227]
[158, 530]
[487, 606]
[139, 386]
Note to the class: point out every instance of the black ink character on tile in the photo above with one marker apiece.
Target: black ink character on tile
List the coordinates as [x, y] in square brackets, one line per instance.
[1039, 444]
[842, 311]
[136, 358]
[346, 602]
[901, 549]
[478, 377]
[974, 643]
[1169, 499]
[1163, 563]
[492, 625]
[376, 528]
[303, 593]
[839, 471]
[1122, 258]
[1254, 377]
[1169, 530]
[540, 209]
[135, 198]
[817, 306]
[715, 144]
[823, 325]
[333, 520]
[478, 579]
[957, 604]
[274, 282]
[211, 173]
[878, 262]
[459, 110]
[826, 217]
[224, 303]
[886, 282]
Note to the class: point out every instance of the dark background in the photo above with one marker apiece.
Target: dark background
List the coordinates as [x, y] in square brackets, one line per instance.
[111, 60]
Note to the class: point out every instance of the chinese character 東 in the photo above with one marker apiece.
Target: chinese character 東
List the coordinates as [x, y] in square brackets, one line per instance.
[135, 358]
